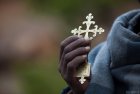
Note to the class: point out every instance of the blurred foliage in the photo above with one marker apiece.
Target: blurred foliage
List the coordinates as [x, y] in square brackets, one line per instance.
[71, 5]
[73, 8]
[40, 76]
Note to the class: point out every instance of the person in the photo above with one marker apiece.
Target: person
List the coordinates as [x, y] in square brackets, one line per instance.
[115, 65]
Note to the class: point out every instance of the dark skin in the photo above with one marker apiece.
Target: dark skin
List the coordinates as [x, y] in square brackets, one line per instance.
[73, 54]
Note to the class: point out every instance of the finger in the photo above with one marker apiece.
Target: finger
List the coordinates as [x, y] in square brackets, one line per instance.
[78, 43]
[74, 64]
[70, 56]
[77, 52]
[62, 53]
[61, 66]
[66, 42]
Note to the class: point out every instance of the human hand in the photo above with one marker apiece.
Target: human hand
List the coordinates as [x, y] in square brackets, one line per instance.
[73, 54]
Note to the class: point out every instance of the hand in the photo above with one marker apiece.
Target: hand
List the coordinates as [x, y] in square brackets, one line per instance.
[73, 54]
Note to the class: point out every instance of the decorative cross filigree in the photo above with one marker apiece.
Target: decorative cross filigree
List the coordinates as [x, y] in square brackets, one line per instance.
[82, 80]
[84, 71]
[86, 32]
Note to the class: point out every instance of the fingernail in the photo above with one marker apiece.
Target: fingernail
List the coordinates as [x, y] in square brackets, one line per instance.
[87, 48]
[84, 56]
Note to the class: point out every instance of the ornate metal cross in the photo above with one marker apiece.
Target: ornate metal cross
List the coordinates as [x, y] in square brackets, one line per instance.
[84, 71]
[88, 23]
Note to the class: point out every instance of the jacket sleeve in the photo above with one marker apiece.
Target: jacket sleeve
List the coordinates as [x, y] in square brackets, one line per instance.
[94, 52]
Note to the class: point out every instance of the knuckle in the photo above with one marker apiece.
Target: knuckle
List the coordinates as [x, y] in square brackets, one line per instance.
[67, 57]
[77, 58]
[62, 44]
[81, 58]
[82, 49]
[81, 40]
[73, 37]
[70, 66]
[66, 49]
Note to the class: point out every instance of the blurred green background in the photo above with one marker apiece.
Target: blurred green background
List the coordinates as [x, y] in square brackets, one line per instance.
[31, 31]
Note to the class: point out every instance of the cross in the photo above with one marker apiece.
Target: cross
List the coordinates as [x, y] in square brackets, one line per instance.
[84, 71]
[82, 80]
[86, 32]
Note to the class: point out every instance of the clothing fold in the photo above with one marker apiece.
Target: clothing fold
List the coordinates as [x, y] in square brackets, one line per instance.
[116, 62]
